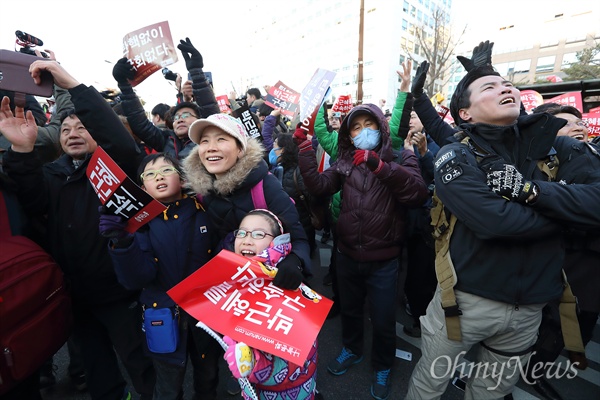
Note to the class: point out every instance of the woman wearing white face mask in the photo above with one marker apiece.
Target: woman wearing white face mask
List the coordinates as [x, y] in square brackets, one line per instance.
[378, 185]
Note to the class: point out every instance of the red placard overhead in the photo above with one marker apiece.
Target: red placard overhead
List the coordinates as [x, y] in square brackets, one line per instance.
[282, 97]
[149, 49]
[119, 194]
[224, 104]
[531, 99]
[343, 104]
[568, 99]
[234, 296]
[593, 121]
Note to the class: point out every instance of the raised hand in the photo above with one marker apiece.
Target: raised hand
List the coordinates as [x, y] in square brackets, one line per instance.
[19, 129]
[419, 81]
[192, 57]
[123, 71]
[405, 75]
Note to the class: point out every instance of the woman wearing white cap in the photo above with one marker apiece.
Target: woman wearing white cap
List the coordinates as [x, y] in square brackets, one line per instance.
[225, 167]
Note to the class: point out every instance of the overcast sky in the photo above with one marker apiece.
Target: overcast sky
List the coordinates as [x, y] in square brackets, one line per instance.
[86, 35]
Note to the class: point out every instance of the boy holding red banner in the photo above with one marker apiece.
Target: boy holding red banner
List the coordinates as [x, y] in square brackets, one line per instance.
[169, 248]
[261, 237]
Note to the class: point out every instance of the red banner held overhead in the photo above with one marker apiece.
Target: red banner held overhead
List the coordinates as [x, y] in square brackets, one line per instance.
[234, 296]
[149, 49]
[593, 121]
[284, 98]
[568, 99]
[342, 104]
[531, 99]
[119, 194]
[224, 104]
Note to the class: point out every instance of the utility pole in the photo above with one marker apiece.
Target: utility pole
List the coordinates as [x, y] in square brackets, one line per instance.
[361, 29]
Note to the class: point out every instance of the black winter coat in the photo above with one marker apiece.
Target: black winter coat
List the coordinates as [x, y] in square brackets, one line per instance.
[68, 199]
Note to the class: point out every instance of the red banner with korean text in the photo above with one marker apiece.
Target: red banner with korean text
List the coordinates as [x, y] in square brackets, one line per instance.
[442, 110]
[531, 99]
[594, 110]
[224, 104]
[234, 296]
[281, 96]
[149, 49]
[568, 99]
[312, 97]
[342, 104]
[119, 194]
[592, 119]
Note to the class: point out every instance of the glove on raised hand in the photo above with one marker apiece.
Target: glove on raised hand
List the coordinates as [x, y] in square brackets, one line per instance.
[194, 58]
[506, 181]
[418, 82]
[482, 55]
[370, 158]
[289, 273]
[239, 357]
[123, 71]
[300, 135]
[112, 226]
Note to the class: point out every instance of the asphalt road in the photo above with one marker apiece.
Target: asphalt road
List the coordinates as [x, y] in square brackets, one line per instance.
[355, 384]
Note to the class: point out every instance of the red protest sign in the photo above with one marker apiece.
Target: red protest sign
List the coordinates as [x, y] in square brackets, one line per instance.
[442, 110]
[224, 104]
[531, 99]
[342, 104]
[568, 99]
[149, 49]
[281, 96]
[119, 193]
[594, 110]
[234, 296]
[312, 96]
[593, 121]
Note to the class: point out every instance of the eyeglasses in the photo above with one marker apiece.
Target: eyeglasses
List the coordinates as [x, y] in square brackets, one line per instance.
[177, 117]
[242, 233]
[579, 122]
[164, 171]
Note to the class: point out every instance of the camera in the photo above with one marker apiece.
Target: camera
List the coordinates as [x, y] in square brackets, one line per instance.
[169, 75]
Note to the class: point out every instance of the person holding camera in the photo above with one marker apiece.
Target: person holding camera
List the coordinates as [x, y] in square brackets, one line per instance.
[176, 141]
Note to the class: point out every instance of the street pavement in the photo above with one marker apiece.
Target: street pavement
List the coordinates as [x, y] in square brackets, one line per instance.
[355, 384]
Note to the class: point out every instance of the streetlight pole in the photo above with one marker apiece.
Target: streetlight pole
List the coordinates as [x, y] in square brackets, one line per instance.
[359, 91]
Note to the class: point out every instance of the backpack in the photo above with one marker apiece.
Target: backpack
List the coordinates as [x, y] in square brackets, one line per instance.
[35, 309]
[443, 223]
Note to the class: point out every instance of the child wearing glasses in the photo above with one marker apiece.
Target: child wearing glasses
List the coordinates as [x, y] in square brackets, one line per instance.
[261, 237]
[162, 253]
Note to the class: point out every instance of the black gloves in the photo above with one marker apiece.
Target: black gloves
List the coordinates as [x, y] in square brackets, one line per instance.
[194, 58]
[123, 71]
[289, 273]
[482, 55]
[419, 80]
[506, 181]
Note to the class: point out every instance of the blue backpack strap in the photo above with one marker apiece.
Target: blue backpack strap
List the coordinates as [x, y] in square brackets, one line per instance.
[258, 196]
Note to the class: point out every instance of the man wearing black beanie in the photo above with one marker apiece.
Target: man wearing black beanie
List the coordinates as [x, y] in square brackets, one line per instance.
[501, 186]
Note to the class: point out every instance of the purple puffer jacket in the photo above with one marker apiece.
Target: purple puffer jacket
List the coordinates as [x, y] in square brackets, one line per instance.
[372, 218]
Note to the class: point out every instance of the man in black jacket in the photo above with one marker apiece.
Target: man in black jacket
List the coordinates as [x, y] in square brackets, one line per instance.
[506, 245]
[107, 316]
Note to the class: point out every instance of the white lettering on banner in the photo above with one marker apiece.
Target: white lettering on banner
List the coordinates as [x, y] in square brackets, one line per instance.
[125, 201]
[252, 311]
[100, 176]
[236, 303]
[218, 292]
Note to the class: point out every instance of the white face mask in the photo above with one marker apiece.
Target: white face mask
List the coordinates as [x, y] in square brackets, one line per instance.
[367, 139]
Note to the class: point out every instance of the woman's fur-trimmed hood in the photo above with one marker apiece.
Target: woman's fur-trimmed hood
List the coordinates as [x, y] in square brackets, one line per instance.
[202, 182]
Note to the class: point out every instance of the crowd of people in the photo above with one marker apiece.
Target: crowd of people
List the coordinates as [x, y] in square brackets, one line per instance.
[488, 212]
